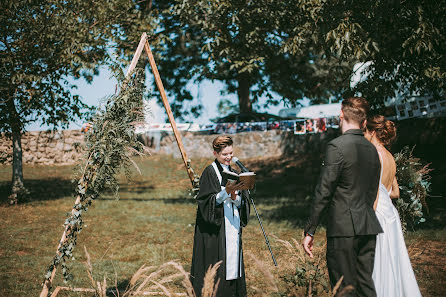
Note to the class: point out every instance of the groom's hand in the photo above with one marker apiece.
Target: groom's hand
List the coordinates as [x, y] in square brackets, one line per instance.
[308, 245]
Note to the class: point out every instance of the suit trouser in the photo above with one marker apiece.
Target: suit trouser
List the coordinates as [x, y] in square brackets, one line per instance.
[353, 258]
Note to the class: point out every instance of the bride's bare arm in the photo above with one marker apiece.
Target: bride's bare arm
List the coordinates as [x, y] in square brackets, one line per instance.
[375, 204]
[395, 193]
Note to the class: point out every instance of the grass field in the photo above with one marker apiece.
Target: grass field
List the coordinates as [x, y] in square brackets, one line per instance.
[153, 222]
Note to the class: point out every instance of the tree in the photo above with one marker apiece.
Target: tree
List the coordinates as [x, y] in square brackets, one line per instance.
[177, 50]
[308, 48]
[42, 45]
[237, 39]
[246, 46]
[243, 44]
[403, 40]
[295, 49]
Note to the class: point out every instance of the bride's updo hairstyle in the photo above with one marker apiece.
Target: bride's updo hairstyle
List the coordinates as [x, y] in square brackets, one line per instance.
[384, 129]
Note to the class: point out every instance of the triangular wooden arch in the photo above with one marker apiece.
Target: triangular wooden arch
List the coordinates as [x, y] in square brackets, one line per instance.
[143, 44]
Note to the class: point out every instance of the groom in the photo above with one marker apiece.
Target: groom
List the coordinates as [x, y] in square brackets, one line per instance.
[347, 187]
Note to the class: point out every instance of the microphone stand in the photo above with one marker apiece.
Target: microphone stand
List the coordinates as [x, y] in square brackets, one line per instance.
[261, 225]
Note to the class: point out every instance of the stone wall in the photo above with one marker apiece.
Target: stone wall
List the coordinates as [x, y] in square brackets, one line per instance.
[272, 143]
[46, 147]
[65, 147]
[247, 144]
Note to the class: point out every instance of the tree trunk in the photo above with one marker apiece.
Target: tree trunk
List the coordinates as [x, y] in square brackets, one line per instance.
[17, 187]
[243, 89]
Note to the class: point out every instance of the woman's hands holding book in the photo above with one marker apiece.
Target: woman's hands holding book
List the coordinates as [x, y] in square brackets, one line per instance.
[232, 187]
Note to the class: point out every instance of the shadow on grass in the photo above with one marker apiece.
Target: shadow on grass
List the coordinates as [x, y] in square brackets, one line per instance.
[112, 291]
[176, 200]
[436, 217]
[121, 286]
[284, 188]
[57, 188]
[40, 189]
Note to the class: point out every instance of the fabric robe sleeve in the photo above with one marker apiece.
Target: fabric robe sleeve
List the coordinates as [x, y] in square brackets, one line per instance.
[245, 208]
[222, 196]
[238, 200]
[209, 211]
[331, 170]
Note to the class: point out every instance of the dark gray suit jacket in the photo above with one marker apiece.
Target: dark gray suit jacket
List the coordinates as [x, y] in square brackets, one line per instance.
[348, 185]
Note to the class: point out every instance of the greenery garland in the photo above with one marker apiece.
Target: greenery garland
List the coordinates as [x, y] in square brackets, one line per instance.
[414, 183]
[110, 144]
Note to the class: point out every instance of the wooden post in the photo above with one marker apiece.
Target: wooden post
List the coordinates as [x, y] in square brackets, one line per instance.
[177, 134]
[48, 282]
[138, 52]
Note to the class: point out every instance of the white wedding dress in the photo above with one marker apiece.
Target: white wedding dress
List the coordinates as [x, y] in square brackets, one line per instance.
[392, 274]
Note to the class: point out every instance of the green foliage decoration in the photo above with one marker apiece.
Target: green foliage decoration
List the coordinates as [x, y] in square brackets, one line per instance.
[110, 145]
[195, 182]
[414, 183]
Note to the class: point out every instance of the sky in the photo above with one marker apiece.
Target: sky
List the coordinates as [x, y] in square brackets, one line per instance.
[207, 93]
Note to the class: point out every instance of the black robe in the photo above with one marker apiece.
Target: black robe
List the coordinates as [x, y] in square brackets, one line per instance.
[210, 239]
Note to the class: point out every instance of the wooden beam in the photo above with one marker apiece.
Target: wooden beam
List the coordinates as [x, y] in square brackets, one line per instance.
[177, 134]
[137, 54]
[48, 282]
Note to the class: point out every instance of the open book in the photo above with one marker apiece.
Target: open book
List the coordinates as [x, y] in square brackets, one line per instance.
[248, 178]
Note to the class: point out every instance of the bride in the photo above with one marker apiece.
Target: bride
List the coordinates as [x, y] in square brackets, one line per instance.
[392, 274]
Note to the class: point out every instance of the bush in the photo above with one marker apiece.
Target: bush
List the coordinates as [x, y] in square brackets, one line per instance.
[414, 183]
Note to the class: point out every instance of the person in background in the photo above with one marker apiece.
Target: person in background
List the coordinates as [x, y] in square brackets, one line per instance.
[85, 127]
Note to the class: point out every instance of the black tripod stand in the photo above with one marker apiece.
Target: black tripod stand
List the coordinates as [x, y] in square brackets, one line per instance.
[261, 225]
[244, 169]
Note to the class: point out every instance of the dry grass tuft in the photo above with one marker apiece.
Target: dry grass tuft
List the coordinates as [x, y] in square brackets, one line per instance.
[149, 280]
[158, 278]
[268, 277]
[346, 291]
[210, 286]
[336, 287]
[140, 273]
[100, 288]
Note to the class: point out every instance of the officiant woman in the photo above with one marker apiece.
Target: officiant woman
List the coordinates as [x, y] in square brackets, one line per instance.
[223, 209]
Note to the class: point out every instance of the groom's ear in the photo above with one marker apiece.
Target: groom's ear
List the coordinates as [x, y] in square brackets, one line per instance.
[364, 125]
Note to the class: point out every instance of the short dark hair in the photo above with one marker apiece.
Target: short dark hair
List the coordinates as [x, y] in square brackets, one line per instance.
[220, 142]
[355, 109]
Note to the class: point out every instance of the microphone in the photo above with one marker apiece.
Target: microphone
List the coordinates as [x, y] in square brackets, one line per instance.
[240, 165]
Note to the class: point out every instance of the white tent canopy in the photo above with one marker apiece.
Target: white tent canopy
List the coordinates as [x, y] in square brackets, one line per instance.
[313, 111]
